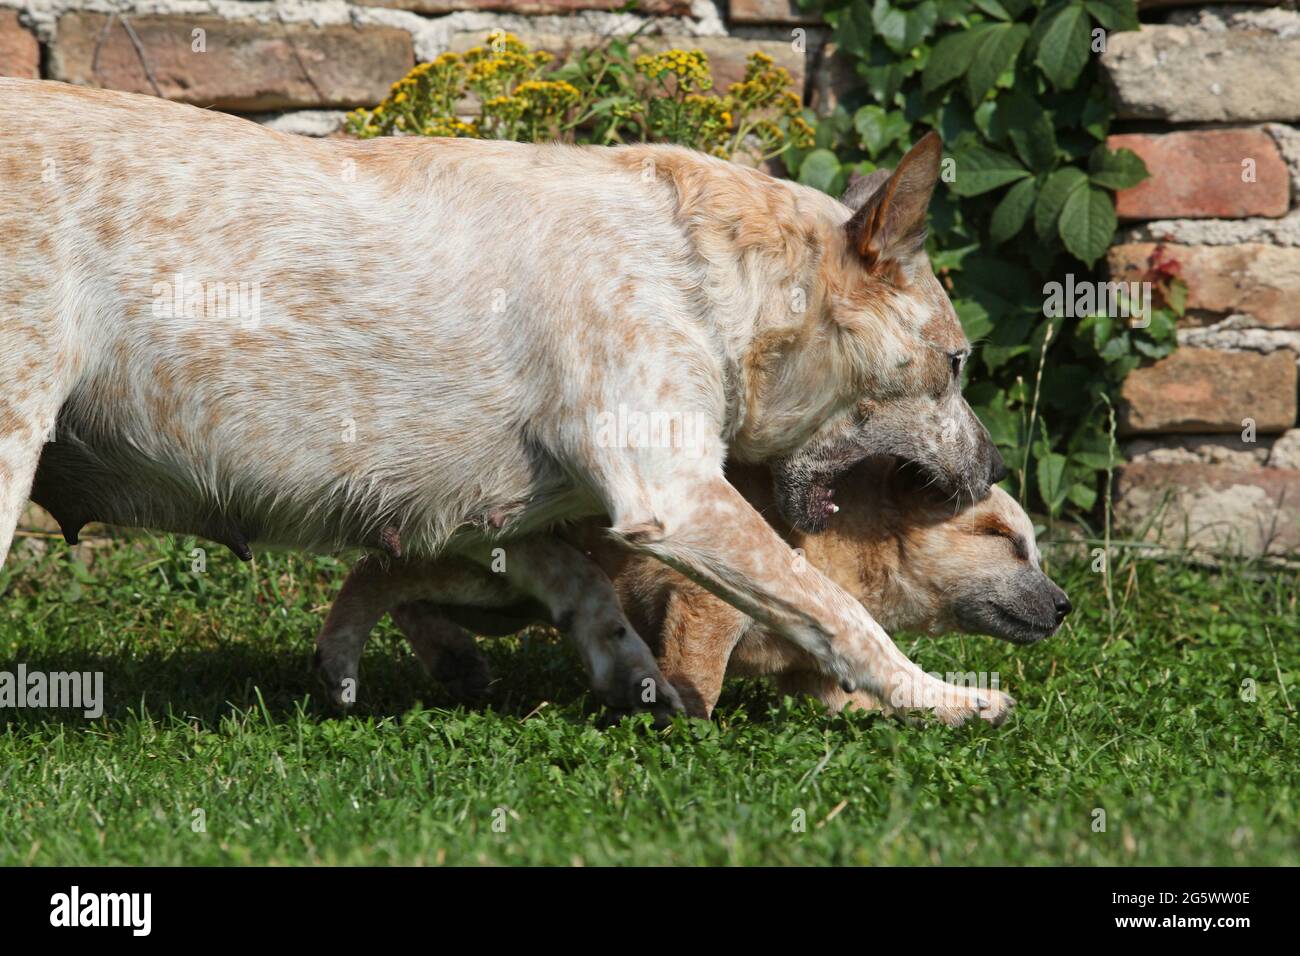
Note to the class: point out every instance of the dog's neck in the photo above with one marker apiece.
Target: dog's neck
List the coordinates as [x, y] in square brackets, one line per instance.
[761, 242]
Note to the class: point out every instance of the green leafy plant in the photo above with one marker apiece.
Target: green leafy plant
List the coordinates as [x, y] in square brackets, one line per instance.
[1026, 200]
[608, 94]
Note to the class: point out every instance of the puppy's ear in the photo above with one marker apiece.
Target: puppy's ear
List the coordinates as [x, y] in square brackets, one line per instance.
[890, 225]
[863, 188]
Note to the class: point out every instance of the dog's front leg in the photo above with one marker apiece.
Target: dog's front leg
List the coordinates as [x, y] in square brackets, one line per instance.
[709, 532]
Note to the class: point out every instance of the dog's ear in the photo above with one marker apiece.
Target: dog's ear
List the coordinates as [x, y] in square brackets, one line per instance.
[862, 188]
[890, 225]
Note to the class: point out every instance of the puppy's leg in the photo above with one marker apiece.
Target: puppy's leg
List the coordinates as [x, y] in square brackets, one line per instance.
[697, 637]
[372, 589]
[710, 533]
[824, 689]
[449, 653]
[584, 605]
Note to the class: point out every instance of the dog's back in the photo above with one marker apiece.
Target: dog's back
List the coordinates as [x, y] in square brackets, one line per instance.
[215, 283]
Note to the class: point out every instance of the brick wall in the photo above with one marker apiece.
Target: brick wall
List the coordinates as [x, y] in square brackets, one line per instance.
[300, 64]
[1210, 98]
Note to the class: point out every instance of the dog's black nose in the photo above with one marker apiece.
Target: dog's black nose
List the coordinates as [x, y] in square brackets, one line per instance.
[1063, 607]
[997, 468]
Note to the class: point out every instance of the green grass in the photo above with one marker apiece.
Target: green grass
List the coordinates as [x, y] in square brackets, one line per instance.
[207, 689]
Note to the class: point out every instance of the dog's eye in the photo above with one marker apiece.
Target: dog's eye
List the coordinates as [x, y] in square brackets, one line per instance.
[955, 359]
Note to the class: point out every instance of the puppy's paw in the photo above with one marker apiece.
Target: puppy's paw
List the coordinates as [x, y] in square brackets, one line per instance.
[635, 684]
[337, 682]
[464, 675]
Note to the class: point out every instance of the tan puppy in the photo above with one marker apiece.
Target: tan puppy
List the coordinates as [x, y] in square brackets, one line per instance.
[897, 547]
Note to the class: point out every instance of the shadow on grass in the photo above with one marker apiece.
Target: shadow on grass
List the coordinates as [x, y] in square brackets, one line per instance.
[203, 685]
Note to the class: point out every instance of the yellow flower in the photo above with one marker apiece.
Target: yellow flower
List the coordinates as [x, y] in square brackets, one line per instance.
[690, 68]
[449, 126]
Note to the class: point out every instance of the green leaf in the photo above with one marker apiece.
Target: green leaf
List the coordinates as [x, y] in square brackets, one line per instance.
[980, 169]
[1029, 127]
[819, 169]
[993, 9]
[1177, 296]
[1051, 486]
[974, 318]
[879, 129]
[1083, 495]
[1063, 50]
[952, 56]
[852, 29]
[902, 29]
[1011, 213]
[1114, 14]
[1087, 224]
[1116, 348]
[890, 23]
[1002, 423]
[997, 54]
[1096, 460]
[1097, 113]
[1052, 198]
[1121, 169]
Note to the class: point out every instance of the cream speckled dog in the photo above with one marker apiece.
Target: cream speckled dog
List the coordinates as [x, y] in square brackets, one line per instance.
[330, 344]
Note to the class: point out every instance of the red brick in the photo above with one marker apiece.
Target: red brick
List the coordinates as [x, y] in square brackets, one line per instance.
[770, 11]
[1157, 4]
[1203, 390]
[1259, 280]
[653, 7]
[1198, 174]
[248, 66]
[20, 54]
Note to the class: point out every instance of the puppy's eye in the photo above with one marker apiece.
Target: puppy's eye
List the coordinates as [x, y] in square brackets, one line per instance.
[1017, 542]
[955, 358]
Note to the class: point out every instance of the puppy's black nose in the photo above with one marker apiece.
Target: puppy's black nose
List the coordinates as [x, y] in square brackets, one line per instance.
[997, 468]
[1063, 607]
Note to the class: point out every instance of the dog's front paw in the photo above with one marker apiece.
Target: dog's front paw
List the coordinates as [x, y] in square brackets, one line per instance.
[989, 705]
